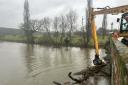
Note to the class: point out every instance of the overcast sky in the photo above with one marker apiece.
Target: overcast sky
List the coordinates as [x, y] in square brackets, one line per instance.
[11, 11]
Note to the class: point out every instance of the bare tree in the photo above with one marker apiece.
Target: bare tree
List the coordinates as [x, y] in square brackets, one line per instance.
[71, 20]
[88, 20]
[36, 25]
[26, 26]
[104, 25]
[83, 33]
[56, 23]
[63, 27]
[46, 27]
[88, 28]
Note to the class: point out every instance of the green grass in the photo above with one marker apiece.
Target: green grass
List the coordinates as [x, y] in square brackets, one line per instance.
[13, 38]
[39, 39]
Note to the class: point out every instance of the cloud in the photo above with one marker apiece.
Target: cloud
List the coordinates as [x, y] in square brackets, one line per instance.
[11, 11]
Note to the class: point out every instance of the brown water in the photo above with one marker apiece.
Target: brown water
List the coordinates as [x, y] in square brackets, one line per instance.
[22, 64]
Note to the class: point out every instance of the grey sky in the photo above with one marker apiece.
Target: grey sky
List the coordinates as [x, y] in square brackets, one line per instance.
[11, 11]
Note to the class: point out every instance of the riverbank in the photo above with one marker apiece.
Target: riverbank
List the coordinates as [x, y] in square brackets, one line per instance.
[77, 41]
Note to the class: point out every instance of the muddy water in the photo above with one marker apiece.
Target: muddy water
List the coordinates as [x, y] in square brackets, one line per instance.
[22, 64]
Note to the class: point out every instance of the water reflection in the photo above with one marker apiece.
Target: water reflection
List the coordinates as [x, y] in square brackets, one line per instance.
[29, 57]
[38, 58]
[86, 53]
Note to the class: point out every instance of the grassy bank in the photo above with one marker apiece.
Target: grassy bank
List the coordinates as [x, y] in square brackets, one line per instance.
[13, 38]
[76, 41]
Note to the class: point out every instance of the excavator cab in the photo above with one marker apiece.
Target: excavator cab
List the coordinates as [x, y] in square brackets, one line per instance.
[124, 23]
[124, 28]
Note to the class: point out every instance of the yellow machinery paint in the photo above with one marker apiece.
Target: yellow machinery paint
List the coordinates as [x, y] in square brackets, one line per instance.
[95, 38]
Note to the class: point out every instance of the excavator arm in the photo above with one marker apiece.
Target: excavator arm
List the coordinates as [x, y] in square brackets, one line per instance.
[115, 10]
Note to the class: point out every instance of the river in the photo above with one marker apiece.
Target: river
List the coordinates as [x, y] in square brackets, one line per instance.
[22, 64]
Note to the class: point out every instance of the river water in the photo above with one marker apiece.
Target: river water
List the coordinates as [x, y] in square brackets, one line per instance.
[22, 64]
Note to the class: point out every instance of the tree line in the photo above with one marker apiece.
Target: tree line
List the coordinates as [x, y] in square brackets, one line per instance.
[58, 30]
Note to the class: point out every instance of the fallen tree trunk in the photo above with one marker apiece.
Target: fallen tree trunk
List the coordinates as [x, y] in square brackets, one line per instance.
[85, 75]
[91, 70]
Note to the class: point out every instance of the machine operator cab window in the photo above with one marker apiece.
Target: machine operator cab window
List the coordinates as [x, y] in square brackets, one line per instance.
[124, 23]
[124, 28]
